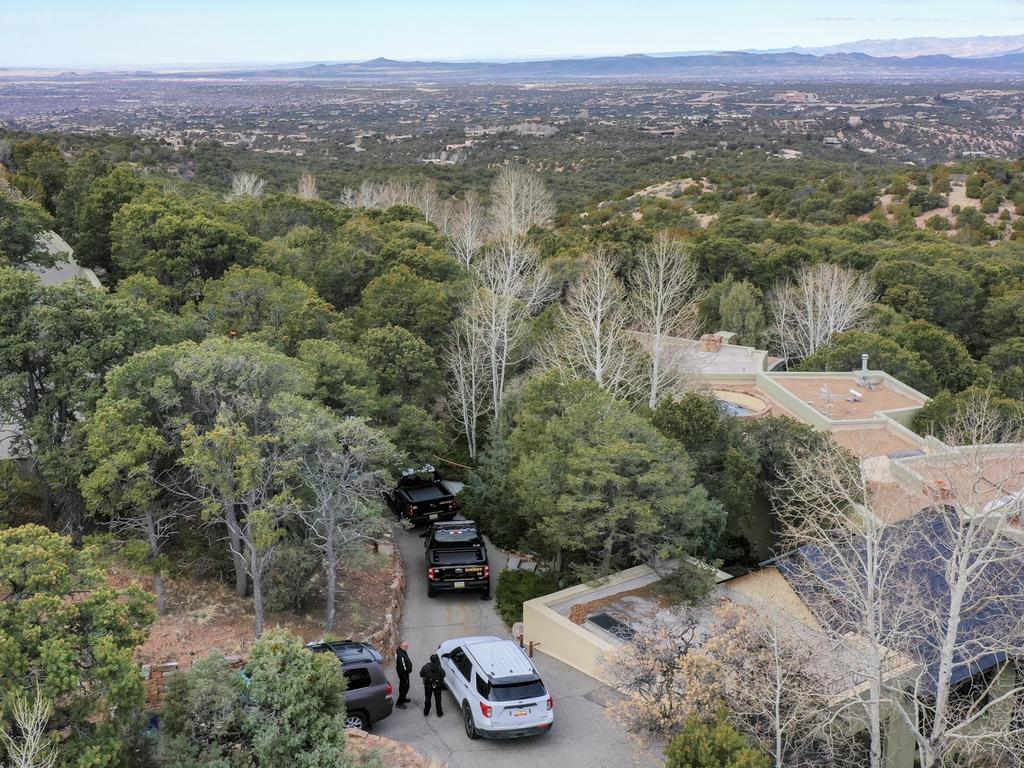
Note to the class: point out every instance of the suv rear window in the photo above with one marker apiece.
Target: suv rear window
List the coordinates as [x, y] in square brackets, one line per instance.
[357, 678]
[456, 537]
[531, 689]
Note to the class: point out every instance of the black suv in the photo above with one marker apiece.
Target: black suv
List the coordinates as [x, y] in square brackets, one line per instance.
[368, 692]
[456, 558]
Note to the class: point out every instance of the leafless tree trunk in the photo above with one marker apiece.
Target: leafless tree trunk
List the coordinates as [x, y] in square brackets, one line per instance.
[591, 339]
[468, 372]
[519, 201]
[664, 303]
[778, 679]
[466, 228]
[246, 184]
[27, 743]
[306, 187]
[926, 593]
[512, 286]
[823, 300]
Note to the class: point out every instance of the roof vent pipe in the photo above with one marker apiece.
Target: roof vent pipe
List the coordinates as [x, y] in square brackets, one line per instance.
[864, 364]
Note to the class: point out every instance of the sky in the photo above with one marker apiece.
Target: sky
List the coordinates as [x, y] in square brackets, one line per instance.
[132, 33]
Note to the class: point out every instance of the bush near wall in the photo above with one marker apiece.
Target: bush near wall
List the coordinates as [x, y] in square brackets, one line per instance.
[516, 587]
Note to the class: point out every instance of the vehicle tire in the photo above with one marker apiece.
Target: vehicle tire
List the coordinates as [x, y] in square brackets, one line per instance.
[431, 592]
[467, 721]
[357, 720]
[486, 594]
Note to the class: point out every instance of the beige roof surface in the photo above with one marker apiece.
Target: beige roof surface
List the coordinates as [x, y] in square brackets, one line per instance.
[768, 586]
[873, 441]
[838, 403]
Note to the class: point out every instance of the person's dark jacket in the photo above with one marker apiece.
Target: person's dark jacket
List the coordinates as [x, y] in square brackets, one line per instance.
[403, 663]
[431, 672]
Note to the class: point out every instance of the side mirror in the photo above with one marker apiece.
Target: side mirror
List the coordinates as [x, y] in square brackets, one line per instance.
[424, 534]
[446, 655]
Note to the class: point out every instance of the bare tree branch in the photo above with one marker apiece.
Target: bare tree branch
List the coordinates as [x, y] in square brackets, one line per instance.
[823, 300]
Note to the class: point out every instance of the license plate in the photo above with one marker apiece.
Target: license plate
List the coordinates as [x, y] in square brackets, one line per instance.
[460, 585]
[433, 516]
[520, 713]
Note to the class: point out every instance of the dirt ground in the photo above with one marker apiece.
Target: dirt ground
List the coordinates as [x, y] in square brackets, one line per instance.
[203, 615]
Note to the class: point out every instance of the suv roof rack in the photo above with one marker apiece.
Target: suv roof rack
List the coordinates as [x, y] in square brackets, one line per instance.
[347, 651]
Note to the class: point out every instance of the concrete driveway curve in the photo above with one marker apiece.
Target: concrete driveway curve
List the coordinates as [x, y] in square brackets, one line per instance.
[582, 737]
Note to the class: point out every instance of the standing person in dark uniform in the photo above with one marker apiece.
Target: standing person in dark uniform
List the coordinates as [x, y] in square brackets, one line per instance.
[403, 664]
[433, 683]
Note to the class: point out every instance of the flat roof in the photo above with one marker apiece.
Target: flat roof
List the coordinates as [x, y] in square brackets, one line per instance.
[829, 394]
[869, 441]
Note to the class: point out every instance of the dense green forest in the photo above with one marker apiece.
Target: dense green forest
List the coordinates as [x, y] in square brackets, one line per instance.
[254, 349]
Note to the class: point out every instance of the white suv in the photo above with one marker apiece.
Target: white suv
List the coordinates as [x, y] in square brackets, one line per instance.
[497, 687]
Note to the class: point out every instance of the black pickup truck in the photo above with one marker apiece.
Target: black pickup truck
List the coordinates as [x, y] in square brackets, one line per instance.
[456, 558]
[422, 497]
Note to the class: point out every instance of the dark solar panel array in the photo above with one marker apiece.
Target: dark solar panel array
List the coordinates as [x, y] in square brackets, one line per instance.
[924, 544]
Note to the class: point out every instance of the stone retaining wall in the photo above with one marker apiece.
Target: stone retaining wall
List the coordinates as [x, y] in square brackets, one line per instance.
[156, 679]
[386, 638]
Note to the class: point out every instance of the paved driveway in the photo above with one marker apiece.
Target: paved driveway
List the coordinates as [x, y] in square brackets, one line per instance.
[582, 737]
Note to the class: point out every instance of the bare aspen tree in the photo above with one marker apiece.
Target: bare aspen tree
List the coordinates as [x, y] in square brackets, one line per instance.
[519, 201]
[823, 300]
[469, 370]
[466, 228]
[591, 339]
[827, 494]
[27, 743]
[929, 592]
[246, 184]
[664, 303]
[512, 286]
[306, 189]
[778, 679]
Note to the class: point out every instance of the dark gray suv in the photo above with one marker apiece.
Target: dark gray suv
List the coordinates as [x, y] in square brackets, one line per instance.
[368, 695]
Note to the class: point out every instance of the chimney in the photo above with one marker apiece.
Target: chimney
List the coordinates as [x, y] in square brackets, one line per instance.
[864, 365]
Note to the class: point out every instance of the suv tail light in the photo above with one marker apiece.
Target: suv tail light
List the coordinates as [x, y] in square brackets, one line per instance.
[551, 703]
[487, 571]
[431, 573]
[388, 689]
[485, 709]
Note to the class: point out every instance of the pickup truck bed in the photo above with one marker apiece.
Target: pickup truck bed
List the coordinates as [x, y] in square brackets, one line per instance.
[456, 558]
[420, 500]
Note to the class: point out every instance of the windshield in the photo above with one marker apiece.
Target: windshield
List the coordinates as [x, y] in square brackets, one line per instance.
[531, 689]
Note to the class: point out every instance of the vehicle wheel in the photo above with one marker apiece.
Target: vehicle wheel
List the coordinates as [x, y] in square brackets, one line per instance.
[486, 594]
[357, 720]
[431, 592]
[467, 720]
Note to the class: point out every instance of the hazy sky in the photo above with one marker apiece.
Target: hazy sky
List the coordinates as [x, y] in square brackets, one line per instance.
[140, 32]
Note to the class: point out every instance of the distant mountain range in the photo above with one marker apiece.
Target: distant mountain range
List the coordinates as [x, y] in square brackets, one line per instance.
[982, 46]
[922, 58]
[737, 65]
